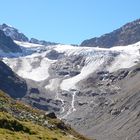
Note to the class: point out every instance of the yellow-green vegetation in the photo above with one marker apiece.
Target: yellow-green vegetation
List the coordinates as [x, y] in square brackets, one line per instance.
[12, 129]
[21, 122]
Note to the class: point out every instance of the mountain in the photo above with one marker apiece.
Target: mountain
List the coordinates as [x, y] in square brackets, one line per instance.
[20, 121]
[94, 87]
[18, 36]
[95, 90]
[126, 35]
[7, 45]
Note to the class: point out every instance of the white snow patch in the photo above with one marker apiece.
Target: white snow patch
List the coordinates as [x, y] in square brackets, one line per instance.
[24, 67]
[128, 57]
[27, 44]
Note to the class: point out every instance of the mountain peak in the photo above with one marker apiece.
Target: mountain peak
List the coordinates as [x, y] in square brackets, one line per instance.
[6, 25]
[13, 33]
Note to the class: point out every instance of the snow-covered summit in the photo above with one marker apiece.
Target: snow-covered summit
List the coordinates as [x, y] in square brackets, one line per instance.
[13, 33]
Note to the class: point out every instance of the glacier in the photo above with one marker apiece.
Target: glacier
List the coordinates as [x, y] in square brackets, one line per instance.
[35, 65]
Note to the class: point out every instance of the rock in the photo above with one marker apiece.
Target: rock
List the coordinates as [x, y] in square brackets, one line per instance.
[51, 115]
[74, 73]
[102, 72]
[7, 45]
[62, 126]
[41, 42]
[34, 90]
[115, 112]
[45, 123]
[63, 73]
[82, 103]
[53, 55]
[11, 83]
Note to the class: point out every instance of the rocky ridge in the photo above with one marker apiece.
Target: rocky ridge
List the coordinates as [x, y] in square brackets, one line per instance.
[126, 35]
[18, 36]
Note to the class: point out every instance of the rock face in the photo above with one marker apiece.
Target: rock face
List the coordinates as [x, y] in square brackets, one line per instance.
[127, 34]
[13, 33]
[11, 83]
[113, 108]
[7, 45]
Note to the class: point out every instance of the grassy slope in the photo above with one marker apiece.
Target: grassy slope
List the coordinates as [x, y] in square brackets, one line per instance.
[22, 122]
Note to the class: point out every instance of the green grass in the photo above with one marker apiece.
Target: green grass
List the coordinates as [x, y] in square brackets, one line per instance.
[14, 127]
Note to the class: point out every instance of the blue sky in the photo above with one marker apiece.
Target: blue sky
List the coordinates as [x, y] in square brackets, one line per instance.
[68, 21]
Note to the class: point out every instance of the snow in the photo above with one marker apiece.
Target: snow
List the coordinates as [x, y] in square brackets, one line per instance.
[128, 57]
[71, 50]
[38, 74]
[72, 107]
[27, 44]
[25, 67]
[92, 65]
[53, 84]
[10, 26]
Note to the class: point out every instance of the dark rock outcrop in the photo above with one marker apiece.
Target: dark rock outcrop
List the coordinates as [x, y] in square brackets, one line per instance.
[126, 35]
[11, 83]
[51, 115]
[53, 55]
